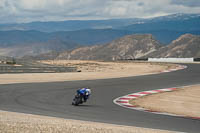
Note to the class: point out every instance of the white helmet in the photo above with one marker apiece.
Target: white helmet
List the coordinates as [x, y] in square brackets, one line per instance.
[88, 91]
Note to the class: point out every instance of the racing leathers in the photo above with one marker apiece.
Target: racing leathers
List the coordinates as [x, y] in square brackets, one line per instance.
[84, 93]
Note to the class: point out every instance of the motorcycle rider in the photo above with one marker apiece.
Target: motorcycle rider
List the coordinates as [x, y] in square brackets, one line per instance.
[84, 93]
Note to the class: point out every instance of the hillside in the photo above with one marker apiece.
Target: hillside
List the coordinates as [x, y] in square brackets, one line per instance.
[91, 32]
[82, 37]
[170, 23]
[185, 21]
[69, 25]
[27, 41]
[130, 46]
[20, 43]
[38, 38]
[168, 28]
[185, 46]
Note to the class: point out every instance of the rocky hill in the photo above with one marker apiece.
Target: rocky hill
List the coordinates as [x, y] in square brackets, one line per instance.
[185, 46]
[128, 47]
[133, 47]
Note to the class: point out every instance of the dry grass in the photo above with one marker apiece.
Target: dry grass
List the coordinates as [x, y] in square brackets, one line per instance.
[184, 101]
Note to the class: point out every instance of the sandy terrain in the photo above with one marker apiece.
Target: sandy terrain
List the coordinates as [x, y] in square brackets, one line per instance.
[26, 123]
[89, 70]
[17, 122]
[185, 101]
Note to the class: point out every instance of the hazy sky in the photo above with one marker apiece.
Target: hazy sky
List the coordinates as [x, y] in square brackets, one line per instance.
[55, 10]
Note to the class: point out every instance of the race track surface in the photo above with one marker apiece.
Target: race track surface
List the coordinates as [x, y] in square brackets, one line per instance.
[54, 99]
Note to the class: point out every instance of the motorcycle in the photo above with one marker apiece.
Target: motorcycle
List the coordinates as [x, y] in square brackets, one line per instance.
[77, 100]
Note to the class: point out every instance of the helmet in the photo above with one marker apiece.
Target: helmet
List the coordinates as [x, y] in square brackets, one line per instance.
[88, 91]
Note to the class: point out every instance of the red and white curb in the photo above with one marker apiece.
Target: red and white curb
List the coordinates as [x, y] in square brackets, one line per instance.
[124, 101]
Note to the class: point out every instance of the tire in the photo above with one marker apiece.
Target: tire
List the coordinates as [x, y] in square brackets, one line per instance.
[77, 100]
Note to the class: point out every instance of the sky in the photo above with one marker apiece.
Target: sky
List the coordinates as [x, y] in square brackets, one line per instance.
[20, 11]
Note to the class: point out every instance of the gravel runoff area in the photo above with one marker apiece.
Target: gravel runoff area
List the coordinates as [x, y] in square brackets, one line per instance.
[185, 101]
[90, 70]
[26, 123]
[11, 122]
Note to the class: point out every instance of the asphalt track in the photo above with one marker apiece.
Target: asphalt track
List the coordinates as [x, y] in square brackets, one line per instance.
[54, 99]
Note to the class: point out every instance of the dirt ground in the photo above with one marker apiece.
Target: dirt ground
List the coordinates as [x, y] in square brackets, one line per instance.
[11, 122]
[89, 70]
[26, 123]
[185, 101]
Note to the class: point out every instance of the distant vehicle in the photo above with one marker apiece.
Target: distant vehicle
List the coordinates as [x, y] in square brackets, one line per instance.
[81, 96]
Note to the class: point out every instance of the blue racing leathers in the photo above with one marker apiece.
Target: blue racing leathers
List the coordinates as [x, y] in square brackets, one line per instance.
[83, 93]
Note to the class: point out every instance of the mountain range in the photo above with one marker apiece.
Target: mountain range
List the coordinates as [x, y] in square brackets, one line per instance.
[18, 40]
[70, 25]
[20, 43]
[73, 25]
[136, 46]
